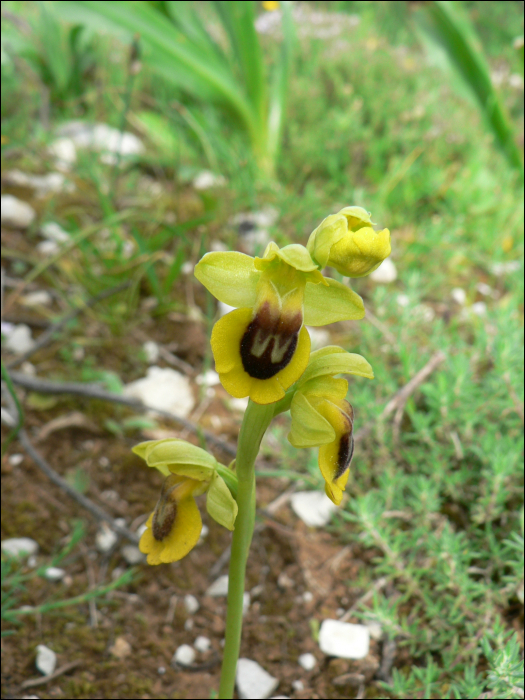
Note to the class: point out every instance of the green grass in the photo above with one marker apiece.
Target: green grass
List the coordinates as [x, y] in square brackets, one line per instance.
[440, 508]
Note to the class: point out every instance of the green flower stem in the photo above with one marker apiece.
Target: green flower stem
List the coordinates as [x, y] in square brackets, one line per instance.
[255, 422]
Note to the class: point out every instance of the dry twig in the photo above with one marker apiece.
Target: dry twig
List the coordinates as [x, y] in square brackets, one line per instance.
[59, 672]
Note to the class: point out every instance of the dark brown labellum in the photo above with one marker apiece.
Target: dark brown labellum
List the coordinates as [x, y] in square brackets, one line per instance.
[346, 443]
[163, 519]
[269, 342]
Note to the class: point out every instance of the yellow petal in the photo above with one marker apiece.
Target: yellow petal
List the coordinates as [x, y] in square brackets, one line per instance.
[264, 391]
[237, 382]
[184, 533]
[226, 339]
[334, 458]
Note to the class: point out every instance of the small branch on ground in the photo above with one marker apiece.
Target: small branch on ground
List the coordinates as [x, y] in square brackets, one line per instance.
[59, 672]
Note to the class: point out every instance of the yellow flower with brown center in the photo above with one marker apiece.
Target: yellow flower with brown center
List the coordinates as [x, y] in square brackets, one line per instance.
[348, 242]
[174, 527]
[322, 416]
[262, 347]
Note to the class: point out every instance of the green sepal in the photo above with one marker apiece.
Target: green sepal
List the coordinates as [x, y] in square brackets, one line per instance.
[309, 428]
[174, 456]
[229, 476]
[220, 503]
[328, 304]
[329, 231]
[295, 255]
[334, 360]
[230, 276]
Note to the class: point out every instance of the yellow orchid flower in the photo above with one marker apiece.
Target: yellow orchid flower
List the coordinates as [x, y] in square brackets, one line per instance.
[262, 347]
[322, 416]
[348, 242]
[174, 527]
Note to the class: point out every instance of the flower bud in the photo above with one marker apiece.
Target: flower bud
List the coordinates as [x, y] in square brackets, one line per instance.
[347, 242]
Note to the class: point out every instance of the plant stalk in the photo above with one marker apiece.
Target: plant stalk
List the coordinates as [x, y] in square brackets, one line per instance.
[255, 422]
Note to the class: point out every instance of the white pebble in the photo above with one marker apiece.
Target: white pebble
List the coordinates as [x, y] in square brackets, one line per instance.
[504, 268]
[202, 644]
[403, 300]
[219, 587]
[105, 538]
[132, 554]
[319, 337]
[225, 308]
[184, 656]
[375, 629]
[163, 388]
[53, 573]
[20, 340]
[459, 295]
[385, 273]
[52, 231]
[245, 602]
[15, 460]
[39, 298]
[15, 212]
[298, 685]
[205, 180]
[152, 351]
[253, 682]
[46, 660]
[188, 625]
[187, 268]
[209, 378]
[479, 308]
[308, 597]
[19, 546]
[161, 670]
[239, 405]
[307, 661]
[191, 604]
[47, 248]
[313, 507]
[344, 640]
[484, 289]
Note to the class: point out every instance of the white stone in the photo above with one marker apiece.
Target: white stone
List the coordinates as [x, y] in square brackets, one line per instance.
[209, 378]
[238, 404]
[141, 530]
[100, 137]
[205, 180]
[187, 268]
[219, 587]
[298, 685]
[185, 655]
[246, 600]
[375, 629]
[165, 389]
[19, 546]
[161, 670]
[344, 640]
[132, 554]
[53, 573]
[403, 300]
[385, 273]
[15, 460]
[479, 308]
[46, 660]
[254, 242]
[307, 661]
[204, 533]
[64, 151]
[319, 337]
[52, 231]
[188, 625]
[225, 308]
[504, 268]
[105, 539]
[313, 507]
[28, 368]
[459, 295]
[152, 351]
[15, 212]
[202, 644]
[484, 289]
[253, 681]
[218, 247]
[308, 596]
[42, 184]
[47, 248]
[39, 298]
[7, 418]
[191, 604]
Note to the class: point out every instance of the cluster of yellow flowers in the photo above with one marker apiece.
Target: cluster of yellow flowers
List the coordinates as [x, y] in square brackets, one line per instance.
[262, 350]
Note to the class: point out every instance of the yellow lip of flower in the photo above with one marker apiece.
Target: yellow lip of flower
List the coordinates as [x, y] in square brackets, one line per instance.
[347, 242]
[173, 529]
[262, 348]
[335, 457]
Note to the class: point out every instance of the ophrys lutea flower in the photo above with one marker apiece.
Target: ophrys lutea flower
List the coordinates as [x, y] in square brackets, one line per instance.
[263, 347]
[322, 416]
[174, 527]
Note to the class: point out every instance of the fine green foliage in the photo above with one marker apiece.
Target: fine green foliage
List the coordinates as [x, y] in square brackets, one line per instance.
[444, 26]
[16, 576]
[180, 47]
